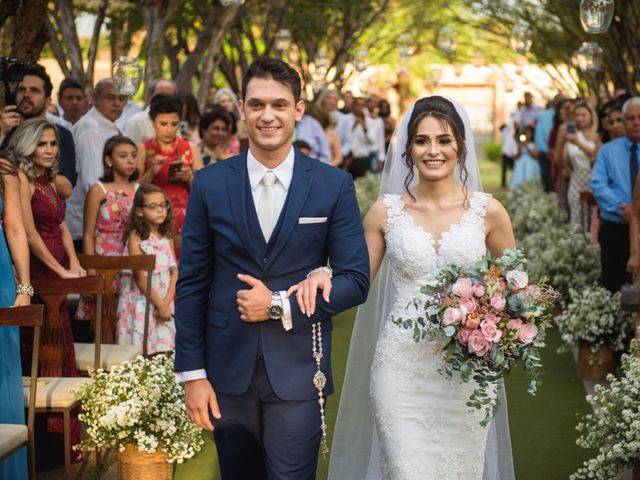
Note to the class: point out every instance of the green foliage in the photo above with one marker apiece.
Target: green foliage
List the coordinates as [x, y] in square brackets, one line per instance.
[367, 189]
[493, 151]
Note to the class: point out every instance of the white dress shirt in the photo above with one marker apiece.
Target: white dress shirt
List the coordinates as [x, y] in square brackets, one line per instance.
[59, 120]
[139, 127]
[130, 109]
[378, 147]
[256, 170]
[89, 136]
[362, 142]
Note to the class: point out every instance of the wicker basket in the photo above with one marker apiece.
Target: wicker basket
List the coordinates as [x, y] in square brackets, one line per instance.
[136, 465]
[595, 366]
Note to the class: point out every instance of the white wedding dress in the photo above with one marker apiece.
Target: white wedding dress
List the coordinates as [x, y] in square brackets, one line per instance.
[425, 429]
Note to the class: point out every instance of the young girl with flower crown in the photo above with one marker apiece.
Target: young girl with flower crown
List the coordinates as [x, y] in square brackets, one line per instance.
[149, 232]
[107, 208]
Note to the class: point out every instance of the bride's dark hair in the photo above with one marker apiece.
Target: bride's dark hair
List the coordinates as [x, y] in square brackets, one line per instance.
[443, 110]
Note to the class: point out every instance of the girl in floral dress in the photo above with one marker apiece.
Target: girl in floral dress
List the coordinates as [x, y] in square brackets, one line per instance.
[149, 232]
[107, 208]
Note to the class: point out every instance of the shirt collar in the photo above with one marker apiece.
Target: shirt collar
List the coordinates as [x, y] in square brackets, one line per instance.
[101, 118]
[284, 171]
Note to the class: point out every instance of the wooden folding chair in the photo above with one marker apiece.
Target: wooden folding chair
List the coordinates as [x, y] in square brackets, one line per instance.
[109, 354]
[56, 395]
[14, 437]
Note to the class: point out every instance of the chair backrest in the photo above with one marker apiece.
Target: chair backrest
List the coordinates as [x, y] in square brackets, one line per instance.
[28, 316]
[109, 267]
[53, 292]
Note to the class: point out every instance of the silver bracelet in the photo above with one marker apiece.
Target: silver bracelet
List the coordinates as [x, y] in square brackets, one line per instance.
[23, 288]
[325, 269]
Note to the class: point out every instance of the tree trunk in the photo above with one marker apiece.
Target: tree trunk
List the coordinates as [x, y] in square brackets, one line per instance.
[30, 31]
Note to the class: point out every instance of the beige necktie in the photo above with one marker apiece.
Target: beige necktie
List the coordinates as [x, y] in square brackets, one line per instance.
[267, 204]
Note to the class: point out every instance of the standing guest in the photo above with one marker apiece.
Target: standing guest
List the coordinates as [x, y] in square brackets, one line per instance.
[211, 97]
[139, 127]
[347, 99]
[582, 145]
[543, 127]
[526, 167]
[108, 205]
[557, 142]
[90, 134]
[218, 143]
[149, 232]
[509, 150]
[309, 130]
[229, 101]
[72, 101]
[378, 152]
[328, 100]
[34, 147]
[130, 109]
[389, 123]
[168, 161]
[528, 112]
[362, 139]
[33, 97]
[189, 118]
[14, 252]
[613, 177]
[326, 121]
[604, 124]
[616, 121]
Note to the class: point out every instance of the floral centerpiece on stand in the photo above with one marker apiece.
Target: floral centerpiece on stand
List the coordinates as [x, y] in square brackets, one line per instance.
[139, 403]
[613, 429]
[489, 318]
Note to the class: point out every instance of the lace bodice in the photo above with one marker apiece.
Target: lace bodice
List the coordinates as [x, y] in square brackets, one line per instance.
[416, 257]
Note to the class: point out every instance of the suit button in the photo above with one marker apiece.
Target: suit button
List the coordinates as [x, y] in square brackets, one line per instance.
[266, 260]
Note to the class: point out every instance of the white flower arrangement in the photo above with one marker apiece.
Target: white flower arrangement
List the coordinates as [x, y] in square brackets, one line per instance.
[532, 209]
[367, 191]
[138, 403]
[613, 429]
[594, 316]
[563, 255]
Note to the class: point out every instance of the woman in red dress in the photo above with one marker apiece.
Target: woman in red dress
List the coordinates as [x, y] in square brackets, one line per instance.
[34, 147]
[168, 161]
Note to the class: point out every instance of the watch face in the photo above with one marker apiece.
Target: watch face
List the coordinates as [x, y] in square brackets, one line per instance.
[275, 312]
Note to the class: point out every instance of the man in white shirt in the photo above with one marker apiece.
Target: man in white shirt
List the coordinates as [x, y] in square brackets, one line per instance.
[363, 140]
[140, 127]
[90, 134]
[378, 151]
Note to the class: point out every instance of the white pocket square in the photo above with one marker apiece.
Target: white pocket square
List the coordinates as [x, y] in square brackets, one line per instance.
[312, 220]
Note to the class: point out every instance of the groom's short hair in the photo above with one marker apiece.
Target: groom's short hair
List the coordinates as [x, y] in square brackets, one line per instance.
[270, 67]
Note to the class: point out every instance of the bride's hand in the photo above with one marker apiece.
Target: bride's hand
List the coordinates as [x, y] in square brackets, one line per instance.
[307, 289]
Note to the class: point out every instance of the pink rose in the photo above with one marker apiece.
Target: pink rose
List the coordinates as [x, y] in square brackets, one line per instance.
[498, 303]
[491, 318]
[462, 288]
[527, 333]
[478, 290]
[517, 279]
[463, 336]
[473, 321]
[501, 284]
[469, 303]
[478, 344]
[490, 332]
[451, 316]
[514, 324]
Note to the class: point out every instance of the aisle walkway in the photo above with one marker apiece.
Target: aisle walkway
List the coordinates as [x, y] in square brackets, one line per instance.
[542, 427]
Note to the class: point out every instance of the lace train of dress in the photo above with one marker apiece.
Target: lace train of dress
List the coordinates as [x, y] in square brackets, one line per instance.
[425, 429]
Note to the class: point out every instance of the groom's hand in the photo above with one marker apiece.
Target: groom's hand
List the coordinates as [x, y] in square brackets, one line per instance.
[199, 397]
[253, 303]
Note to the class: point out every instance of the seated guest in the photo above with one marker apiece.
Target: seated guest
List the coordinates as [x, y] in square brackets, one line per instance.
[168, 161]
[32, 99]
[218, 143]
[34, 147]
[612, 181]
[14, 252]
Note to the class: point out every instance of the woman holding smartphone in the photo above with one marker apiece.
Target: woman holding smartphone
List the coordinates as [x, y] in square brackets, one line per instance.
[167, 160]
[582, 144]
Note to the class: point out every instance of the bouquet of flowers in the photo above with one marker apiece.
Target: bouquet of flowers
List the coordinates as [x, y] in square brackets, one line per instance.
[489, 318]
[139, 403]
[612, 431]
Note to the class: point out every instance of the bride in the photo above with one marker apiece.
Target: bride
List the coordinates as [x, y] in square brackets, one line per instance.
[399, 418]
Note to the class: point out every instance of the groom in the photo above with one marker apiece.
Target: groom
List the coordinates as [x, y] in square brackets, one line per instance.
[256, 224]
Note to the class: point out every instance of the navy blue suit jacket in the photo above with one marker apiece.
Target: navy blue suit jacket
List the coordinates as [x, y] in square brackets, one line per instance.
[221, 237]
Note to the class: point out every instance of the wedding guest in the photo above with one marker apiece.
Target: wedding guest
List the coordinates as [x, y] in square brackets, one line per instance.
[310, 130]
[378, 152]
[108, 205]
[557, 141]
[149, 232]
[139, 127]
[168, 161]
[543, 127]
[218, 143]
[328, 101]
[582, 145]
[362, 139]
[229, 101]
[509, 150]
[526, 167]
[14, 253]
[34, 147]
[613, 177]
[130, 109]
[389, 123]
[347, 99]
[189, 118]
[72, 101]
[90, 134]
[528, 112]
[616, 120]
[33, 96]
[326, 121]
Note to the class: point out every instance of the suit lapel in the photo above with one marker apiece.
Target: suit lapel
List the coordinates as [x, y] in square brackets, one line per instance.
[298, 192]
[237, 184]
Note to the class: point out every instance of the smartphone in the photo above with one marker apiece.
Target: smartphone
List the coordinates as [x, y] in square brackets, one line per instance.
[571, 127]
[522, 138]
[183, 126]
[175, 167]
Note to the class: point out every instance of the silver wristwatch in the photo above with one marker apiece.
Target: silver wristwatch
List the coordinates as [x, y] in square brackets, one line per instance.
[275, 309]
